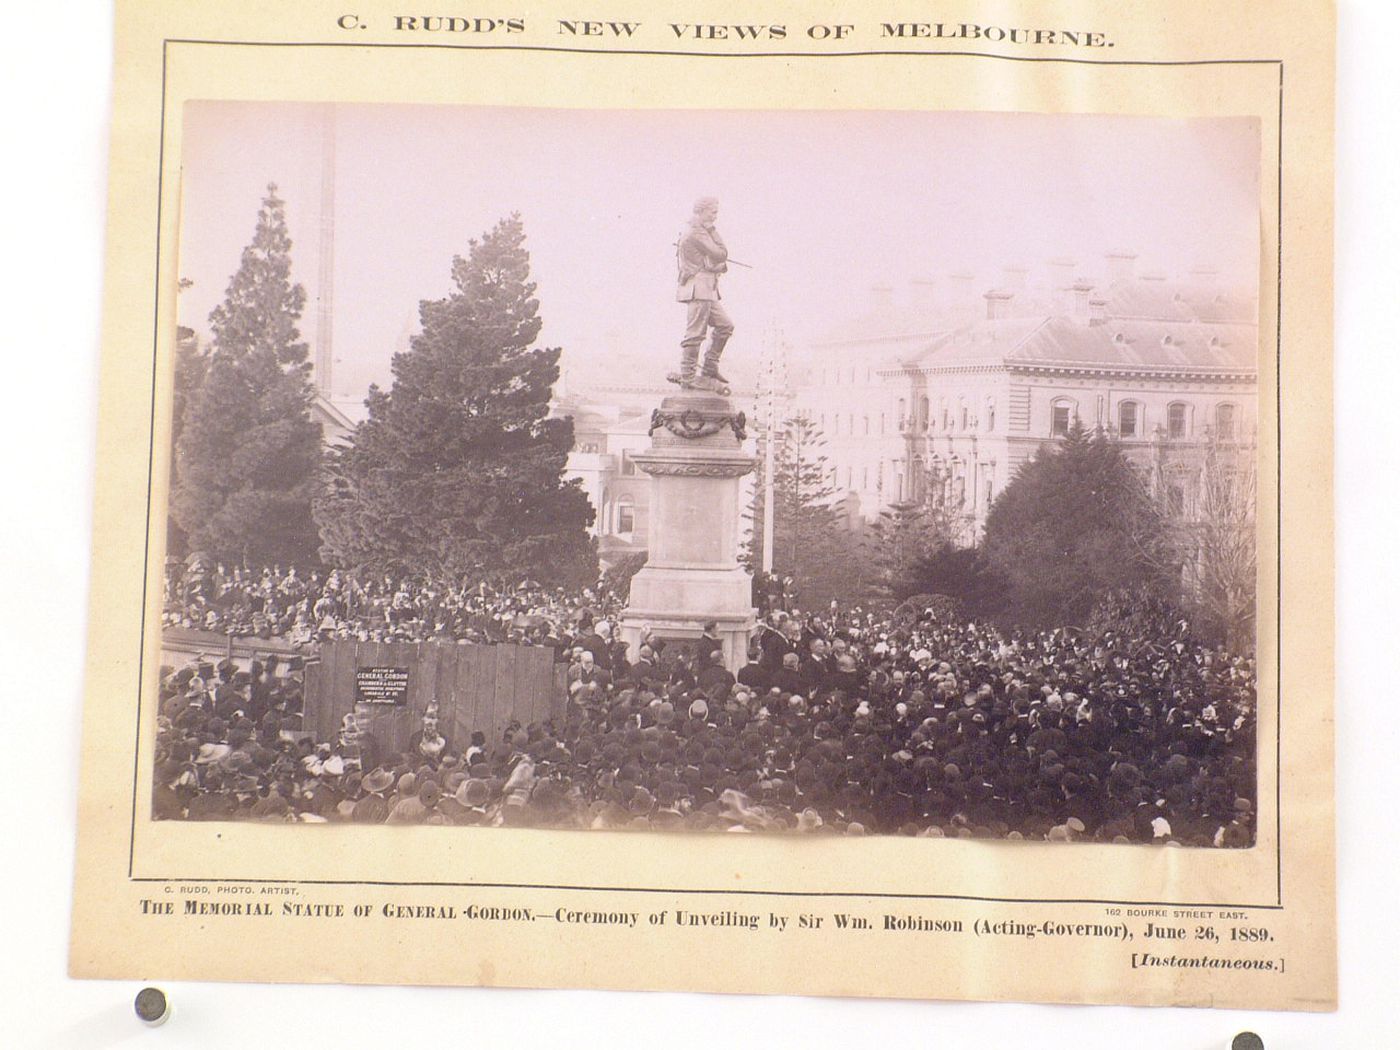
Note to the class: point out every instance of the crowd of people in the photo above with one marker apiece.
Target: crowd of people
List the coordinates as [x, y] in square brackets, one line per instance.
[845, 721]
[301, 608]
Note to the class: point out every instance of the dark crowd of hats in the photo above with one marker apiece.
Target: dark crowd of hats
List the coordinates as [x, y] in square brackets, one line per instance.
[845, 722]
[301, 608]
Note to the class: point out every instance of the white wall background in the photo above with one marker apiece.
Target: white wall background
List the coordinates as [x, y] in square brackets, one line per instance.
[53, 125]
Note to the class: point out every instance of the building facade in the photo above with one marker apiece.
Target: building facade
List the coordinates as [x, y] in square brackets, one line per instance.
[1167, 367]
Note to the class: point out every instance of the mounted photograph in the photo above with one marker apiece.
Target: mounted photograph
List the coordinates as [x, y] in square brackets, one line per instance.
[783, 472]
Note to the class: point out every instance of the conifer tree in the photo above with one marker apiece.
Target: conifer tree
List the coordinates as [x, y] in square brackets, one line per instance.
[1070, 528]
[458, 470]
[248, 454]
[908, 533]
[811, 542]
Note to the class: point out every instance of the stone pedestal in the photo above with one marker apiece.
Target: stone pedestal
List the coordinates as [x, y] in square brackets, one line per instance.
[692, 574]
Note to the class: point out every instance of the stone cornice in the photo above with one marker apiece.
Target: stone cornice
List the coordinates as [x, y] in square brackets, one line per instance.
[708, 467]
[1071, 368]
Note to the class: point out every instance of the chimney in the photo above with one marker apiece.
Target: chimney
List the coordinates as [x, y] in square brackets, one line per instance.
[881, 299]
[998, 303]
[923, 297]
[1121, 265]
[1080, 290]
[1204, 273]
[1098, 311]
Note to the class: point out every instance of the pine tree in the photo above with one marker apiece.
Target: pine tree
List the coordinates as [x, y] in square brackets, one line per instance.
[909, 534]
[1071, 528]
[458, 470]
[248, 455]
[811, 542]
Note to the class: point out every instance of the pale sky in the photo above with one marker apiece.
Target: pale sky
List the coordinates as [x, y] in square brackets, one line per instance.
[823, 204]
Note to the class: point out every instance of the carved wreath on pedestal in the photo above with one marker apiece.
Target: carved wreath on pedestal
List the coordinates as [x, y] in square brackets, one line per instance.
[692, 423]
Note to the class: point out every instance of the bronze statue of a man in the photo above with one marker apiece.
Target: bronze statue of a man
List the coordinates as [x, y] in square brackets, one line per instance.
[701, 257]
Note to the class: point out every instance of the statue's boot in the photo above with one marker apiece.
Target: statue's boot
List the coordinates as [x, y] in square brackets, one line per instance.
[685, 377]
[712, 356]
[711, 384]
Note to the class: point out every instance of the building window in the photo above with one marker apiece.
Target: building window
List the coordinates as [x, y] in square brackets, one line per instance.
[1061, 414]
[1225, 422]
[867, 424]
[1127, 419]
[991, 417]
[882, 422]
[901, 413]
[865, 479]
[1176, 420]
[964, 417]
[625, 520]
[923, 413]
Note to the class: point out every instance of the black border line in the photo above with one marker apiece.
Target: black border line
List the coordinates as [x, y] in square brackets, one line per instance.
[1278, 402]
[150, 470]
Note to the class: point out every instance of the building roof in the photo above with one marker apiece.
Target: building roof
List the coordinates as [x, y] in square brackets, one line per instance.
[1114, 343]
[1160, 299]
[335, 414]
[889, 336]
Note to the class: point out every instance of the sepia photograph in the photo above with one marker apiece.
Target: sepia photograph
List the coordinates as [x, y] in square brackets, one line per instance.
[776, 472]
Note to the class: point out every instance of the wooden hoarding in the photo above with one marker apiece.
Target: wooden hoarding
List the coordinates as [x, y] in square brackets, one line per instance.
[475, 687]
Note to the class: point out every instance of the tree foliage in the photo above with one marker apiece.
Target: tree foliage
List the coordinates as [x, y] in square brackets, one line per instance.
[247, 452]
[1073, 525]
[618, 577]
[963, 574]
[458, 470]
[910, 533]
[191, 363]
[811, 540]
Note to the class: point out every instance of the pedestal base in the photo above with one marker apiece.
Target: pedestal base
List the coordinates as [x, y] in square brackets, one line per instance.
[692, 575]
[678, 602]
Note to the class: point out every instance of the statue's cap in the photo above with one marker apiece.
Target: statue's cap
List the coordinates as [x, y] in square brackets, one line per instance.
[703, 203]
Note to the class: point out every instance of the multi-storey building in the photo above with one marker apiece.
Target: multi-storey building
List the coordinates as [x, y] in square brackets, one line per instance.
[1166, 366]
